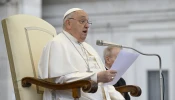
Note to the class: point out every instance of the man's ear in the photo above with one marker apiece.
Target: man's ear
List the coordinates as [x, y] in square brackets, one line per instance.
[107, 60]
[68, 24]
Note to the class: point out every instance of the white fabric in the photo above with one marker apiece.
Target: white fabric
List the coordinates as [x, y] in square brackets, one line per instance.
[61, 59]
[70, 11]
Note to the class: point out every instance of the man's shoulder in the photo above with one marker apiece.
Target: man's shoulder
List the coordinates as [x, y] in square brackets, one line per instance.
[59, 35]
[59, 38]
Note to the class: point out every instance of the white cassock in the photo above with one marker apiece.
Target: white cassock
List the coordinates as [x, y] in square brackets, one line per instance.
[68, 60]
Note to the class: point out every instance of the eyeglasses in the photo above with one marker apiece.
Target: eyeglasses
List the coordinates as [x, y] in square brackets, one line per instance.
[83, 21]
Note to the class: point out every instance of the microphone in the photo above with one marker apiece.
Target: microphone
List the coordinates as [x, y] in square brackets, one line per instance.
[105, 43]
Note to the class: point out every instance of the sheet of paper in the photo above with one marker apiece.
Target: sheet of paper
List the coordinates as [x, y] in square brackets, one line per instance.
[123, 61]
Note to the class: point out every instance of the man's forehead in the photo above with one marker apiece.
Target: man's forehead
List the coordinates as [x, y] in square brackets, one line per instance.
[116, 49]
[81, 14]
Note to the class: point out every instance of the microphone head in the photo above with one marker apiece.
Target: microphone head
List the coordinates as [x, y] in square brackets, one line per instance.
[104, 43]
[99, 42]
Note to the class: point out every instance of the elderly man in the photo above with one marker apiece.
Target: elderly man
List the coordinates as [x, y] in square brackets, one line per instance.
[68, 58]
[110, 54]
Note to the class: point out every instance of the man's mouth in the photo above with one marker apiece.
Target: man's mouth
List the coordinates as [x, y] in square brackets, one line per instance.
[85, 31]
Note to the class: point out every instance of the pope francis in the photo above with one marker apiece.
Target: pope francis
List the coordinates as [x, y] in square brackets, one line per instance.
[68, 58]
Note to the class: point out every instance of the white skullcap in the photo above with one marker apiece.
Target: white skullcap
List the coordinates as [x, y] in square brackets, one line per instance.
[70, 11]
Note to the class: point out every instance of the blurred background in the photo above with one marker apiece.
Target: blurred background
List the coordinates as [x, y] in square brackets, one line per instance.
[147, 25]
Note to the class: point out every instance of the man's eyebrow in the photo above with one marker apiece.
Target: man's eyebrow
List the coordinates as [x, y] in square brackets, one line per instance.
[82, 17]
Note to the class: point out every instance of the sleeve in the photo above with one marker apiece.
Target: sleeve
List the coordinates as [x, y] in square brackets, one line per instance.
[77, 76]
[114, 94]
[43, 63]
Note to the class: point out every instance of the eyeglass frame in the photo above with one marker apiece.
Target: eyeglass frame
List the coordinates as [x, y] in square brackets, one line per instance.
[83, 21]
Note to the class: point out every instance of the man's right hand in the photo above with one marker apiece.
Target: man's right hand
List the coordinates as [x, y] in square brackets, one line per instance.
[106, 76]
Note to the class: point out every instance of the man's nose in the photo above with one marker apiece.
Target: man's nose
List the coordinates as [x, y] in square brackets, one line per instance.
[87, 25]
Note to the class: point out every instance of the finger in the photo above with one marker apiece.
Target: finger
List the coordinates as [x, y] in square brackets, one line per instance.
[113, 71]
[111, 79]
[113, 75]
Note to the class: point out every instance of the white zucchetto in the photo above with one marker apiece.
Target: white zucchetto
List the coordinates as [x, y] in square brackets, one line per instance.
[70, 11]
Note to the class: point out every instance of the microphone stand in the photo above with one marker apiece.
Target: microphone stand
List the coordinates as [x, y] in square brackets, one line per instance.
[104, 43]
[160, 69]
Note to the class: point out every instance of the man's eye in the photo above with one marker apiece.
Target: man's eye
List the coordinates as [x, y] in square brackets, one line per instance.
[83, 21]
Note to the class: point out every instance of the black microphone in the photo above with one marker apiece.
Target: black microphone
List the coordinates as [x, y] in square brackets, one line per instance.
[105, 43]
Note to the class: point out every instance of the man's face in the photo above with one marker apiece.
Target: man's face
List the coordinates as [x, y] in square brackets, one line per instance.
[79, 25]
[113, 56]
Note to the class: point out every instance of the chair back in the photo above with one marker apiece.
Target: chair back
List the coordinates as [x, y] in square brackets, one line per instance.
[25, 37]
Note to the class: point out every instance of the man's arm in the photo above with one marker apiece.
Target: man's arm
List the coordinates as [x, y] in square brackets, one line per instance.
[102, 76]
[77, 76]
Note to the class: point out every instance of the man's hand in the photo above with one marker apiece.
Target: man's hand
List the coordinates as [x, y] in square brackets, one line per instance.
[106, 76]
